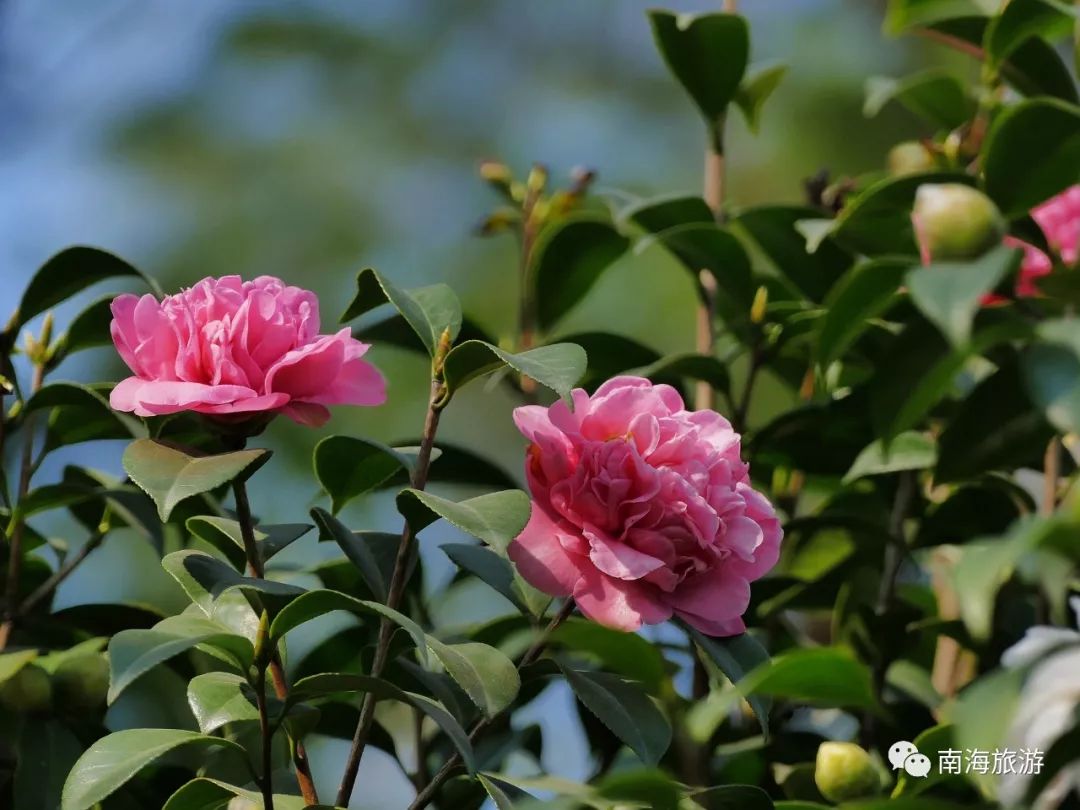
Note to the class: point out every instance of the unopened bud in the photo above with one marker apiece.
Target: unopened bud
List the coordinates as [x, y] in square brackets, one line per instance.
[27, 691]
[495, 172]
[537, 179]
[47, 329]
[498, 221]
[954, 221]
[910, 157]
[844, 771]
[761, 302]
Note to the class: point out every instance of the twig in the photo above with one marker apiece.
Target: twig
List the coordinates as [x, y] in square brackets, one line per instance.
[267, 780]
[397, 580]
[46, 588]
[424, 797]
[277, 671]
[1051, 475]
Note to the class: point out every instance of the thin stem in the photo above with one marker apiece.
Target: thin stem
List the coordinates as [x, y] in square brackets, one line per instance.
[15, 552]
[527, 304]
[398, 581]
[46, 588]
[424, 797]
[266, 783]
[1051, 475]
[277, 671]
[422, 774]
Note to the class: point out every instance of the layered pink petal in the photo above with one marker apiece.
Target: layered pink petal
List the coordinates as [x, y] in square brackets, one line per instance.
[542, 559]
[618, 603]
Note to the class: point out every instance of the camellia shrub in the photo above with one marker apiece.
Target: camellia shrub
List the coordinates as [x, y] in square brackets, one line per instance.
[860, 598]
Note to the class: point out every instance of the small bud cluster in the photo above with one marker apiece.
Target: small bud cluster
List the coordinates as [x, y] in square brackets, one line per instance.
[528, 204]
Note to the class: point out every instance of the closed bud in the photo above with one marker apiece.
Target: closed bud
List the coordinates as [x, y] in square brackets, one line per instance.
[954, 221]
[80, 685]
[495, 172]
[910, 157]
[537, 179]
[844, 771]
[761, 302]
[27, 691]
[498, 221]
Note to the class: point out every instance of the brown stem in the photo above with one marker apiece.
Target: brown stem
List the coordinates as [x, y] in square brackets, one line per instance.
[266, 783]
[277, 671]
[1051, 475]
[422, 774]
[424, 797]
[398, 581]
[15, 552]
[527, 304]
[46, 588]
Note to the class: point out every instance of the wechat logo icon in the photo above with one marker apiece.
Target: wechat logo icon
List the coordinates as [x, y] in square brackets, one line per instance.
[905, 756]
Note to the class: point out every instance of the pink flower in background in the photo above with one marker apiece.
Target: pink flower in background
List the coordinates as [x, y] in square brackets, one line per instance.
[1059, 219]
[642, 510]
[228, 346]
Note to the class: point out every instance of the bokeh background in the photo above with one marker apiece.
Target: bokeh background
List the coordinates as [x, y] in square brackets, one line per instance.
[308, 139]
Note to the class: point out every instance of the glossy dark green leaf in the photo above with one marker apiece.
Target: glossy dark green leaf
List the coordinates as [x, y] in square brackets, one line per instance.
[701, 367]
[773, 228]
[347, 467]
[503, 795]
[488, 677]
[659, 214]
[396, 331]
[877, 221]
[496, 518]
[907, 451]
[217, 698]
[224, 534]
[759, 83]
[114, 759]
[67, 273]
[903, 15]
[134, 652]
[428, 310]
[47, 751]
[567, 261]
[862, 294]
[56, 496]
[1052, 372]
[935, 738]
[169, 475]
[707, 53]
[626, 654]
[331, 683]
[823, 676]
[995, 427]
[80, 413]
[212, 794]
[458, 465]
[314, 604]
[625, 708]
[496, 571]
[734, 797]
[644, 787]
[736, 657]
[88, 329]
[936, 96]
[609, 355]
[355, 548]
[1020, 20]
[558, 366]
[205, 578]
[1031, 153]
[949, 294]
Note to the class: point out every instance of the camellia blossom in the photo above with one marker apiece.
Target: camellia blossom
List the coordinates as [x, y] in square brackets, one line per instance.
[642, 510]
[229, 347]
[1059, 219]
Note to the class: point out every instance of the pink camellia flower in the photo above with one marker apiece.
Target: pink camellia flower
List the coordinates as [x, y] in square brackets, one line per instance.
[228, 347]
[642, 510]
[1059, 219]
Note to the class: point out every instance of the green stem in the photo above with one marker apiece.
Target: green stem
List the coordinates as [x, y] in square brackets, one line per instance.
[266, 783]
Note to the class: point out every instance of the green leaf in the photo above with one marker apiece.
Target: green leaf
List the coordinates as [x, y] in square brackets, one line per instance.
[733, 797]
[737, 657]
[1052, 371]
[428, 310]
[757, 86]
[225, 535]
[949, 294]
[659, 214]
[976, 727]
[707, 53]
[12, 662]
[907, 451]
[567, 261]
[47, 751]
[55, 496]
[822, 676]
[936, 738]
[488, 677]
[774, 229]
[496, 518]
[503, 794]
[217, 698]
[861, 295]
[88, 329]
[877, 221]
[114, 759]
[558, 366]
[496, 571]
[701, 367]
[67, 273]
[79, 413]
[936, 96]
[347, 467]
[333, 682]
[626, 654]
[211, 794]
[355, 548]
[1031, 153]
[134, 652]
[1021, 20]
[903, 15]
[608, 355]
[625, 708]
[205, 578]
[995, 427]
[169, 475]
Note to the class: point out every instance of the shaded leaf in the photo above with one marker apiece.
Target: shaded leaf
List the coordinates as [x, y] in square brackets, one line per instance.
[488, 677]
[824, 676]
[558, 366]
[936, 96]
[347, 467]
[865, 292]
[737, 657]
[759, 83]
[355, 548]
[907, 451]
[496, 518]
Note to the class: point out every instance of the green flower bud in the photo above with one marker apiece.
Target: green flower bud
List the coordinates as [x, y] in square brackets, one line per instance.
[910, 157]
[844, 771]
[28, 690]
[954, 221]
[80, 685]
